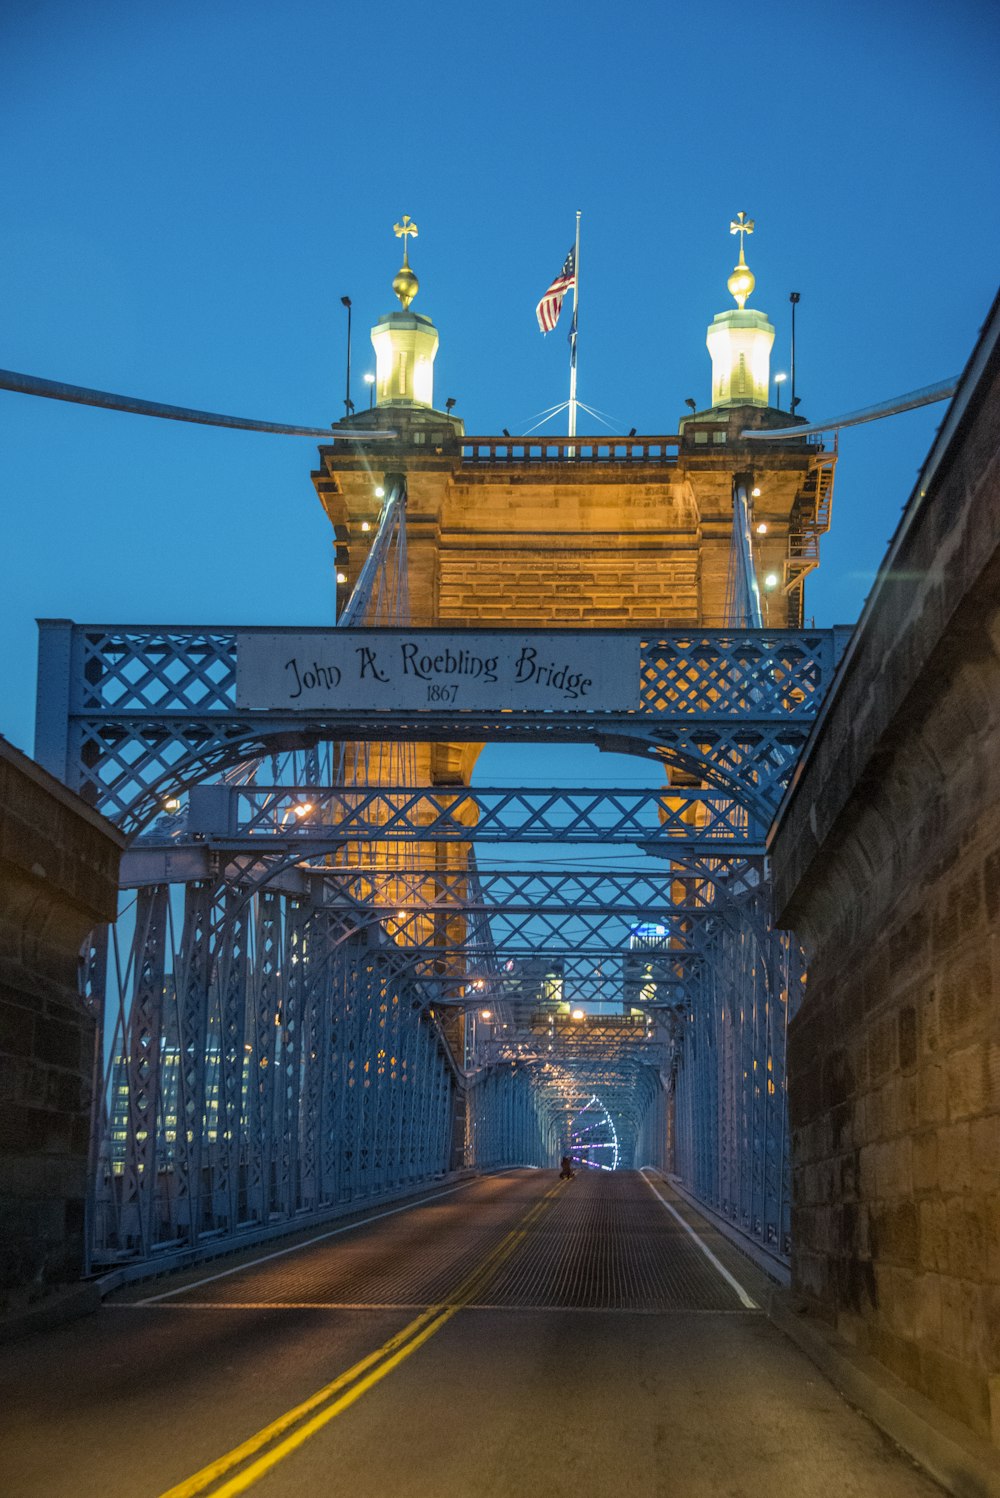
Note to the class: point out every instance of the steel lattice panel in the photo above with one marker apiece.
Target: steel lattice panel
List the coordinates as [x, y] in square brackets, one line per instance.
[128, 715]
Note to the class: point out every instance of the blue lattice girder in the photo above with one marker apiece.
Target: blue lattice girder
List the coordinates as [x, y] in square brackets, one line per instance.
[128, 715]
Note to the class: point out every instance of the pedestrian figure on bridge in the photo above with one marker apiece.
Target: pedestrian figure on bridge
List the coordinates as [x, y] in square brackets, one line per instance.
[566, 1171]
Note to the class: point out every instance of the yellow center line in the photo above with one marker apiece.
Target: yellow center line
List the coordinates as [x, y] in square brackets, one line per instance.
[323, 1406]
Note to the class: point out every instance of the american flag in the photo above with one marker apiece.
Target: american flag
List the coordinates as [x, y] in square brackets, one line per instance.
[550, 306]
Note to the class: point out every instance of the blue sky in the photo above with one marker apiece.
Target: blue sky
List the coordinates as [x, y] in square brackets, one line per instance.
[187, 190]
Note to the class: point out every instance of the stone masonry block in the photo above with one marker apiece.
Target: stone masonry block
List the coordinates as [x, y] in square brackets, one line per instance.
[868, 1162]
[900, 1305]
[955, 1156]
[932, 1221]
[984, 1144]
[958, 1390]
[967, 1082]
[925, 1161]
[927, 1307]
[966, 1238]
[993, 1072]
[932, 1095]
[907, 1040]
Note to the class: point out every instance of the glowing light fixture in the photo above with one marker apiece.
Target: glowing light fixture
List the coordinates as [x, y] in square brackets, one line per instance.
[486, 1014]
[302, 809]
[379, 492]
[578, 1014]
[172, 803]
[341, 577]
[762, 528]
[755, 493]
[771, 580]
[366, 525]
[779, 380]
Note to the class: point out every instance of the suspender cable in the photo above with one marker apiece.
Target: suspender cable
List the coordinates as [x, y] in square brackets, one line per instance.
[392, 513]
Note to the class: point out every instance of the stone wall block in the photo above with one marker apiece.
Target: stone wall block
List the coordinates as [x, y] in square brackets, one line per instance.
[929, 1021]
[902, 1302]
[932, 1219]
[900, 1355]
[847, 1185]
[993, 1070]
[927, 1308]
[964, 985]
[955, 1156]
[901, 1167]
[966, 1238]
[968, 1082]
[925, 1161]
[909, 1104]
[908, 1041]
[932, 1095]
[991, 1214]
[882, 1057]
[954, 1388]
[868, 1162]
[991, 885]
[984, 1146]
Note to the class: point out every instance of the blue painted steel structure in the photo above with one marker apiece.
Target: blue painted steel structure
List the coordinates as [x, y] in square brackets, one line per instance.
[131, 716]
[291, 1022]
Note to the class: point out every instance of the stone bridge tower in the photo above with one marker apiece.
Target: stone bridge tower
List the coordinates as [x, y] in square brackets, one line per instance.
[577, 532]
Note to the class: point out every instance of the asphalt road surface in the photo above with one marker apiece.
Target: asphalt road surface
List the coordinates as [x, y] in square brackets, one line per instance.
[513, 1336]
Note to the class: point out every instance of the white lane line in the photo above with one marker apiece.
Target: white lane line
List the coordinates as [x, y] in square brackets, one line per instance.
[349, 1227]
[751, 1305]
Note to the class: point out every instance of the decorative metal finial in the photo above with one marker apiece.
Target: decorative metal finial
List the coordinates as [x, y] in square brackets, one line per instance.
[405, 284]
[409, 227]
[742, 281]
[741, 225]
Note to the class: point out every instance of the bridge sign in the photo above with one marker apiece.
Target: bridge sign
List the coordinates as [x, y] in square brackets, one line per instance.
[390, 670]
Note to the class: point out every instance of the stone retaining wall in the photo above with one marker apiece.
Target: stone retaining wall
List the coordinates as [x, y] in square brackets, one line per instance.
[887, 867]
[58, 879]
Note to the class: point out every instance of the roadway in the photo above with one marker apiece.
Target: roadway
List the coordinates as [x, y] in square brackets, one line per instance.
[510, 1336]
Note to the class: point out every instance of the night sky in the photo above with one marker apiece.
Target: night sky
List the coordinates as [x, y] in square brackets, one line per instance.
[187, 190]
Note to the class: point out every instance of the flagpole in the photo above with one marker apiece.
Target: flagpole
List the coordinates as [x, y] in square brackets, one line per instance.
[572, 356]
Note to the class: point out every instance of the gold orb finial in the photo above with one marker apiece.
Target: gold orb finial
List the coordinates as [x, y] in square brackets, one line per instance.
[405, 283]
[742, 281]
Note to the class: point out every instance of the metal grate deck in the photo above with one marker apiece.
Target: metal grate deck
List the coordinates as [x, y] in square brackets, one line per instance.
[606, 1243]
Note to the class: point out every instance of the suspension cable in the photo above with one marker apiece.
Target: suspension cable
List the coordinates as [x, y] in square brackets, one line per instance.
[24, 384]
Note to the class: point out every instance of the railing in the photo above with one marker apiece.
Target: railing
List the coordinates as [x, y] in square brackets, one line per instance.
[487, 451]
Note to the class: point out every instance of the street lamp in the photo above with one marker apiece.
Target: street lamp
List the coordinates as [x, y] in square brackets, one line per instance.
[794, 297]
[345, 301]
[370, 382]
[779, 380]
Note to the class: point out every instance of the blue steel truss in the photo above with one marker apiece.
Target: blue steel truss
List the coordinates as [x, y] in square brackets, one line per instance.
[131, 716]
[306, 1004]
